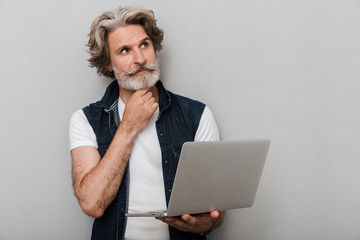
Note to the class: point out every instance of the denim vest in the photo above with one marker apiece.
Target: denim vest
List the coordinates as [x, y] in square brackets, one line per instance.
[177, 123]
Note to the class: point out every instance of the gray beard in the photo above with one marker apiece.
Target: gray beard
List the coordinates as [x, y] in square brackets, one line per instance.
[131, 81]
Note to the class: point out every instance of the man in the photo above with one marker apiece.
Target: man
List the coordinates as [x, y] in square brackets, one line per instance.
[125, 147]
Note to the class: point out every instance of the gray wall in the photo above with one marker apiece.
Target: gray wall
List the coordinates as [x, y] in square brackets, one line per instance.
[283, 69]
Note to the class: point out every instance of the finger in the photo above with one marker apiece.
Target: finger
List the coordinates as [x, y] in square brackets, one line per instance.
[151, 100]
[147, 96]
[214, 215]
[189, 219]
[154, 106]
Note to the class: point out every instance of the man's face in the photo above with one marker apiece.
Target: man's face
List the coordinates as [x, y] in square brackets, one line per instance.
[133, 58]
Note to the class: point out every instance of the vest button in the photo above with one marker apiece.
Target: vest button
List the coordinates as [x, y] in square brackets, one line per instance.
[162, 134]
[169, 190]
[166, 162]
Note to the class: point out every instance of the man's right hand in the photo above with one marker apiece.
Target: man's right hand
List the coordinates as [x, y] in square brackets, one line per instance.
[139, 109]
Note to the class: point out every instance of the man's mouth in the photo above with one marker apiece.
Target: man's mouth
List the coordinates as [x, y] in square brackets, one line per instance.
[142, 70]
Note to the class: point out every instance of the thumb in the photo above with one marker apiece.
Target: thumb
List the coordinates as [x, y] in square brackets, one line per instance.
[214, 215]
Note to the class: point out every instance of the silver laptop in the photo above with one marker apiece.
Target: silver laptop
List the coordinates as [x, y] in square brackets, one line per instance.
[216, 175]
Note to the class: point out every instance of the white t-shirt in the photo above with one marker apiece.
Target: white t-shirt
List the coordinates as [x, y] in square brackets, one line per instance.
[146, 189]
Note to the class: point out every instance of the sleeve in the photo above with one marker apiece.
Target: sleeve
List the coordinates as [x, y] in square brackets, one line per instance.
[80, 131]
[207, 130]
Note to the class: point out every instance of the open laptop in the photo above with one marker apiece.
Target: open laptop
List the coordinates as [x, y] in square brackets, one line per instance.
[216, 175]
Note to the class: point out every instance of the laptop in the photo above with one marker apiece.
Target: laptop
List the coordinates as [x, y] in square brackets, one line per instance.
[217, 175]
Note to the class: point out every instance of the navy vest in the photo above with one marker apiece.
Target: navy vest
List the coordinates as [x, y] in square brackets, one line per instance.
[177, 123]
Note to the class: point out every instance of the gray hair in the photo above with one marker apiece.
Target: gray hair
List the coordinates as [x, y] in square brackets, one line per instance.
[108, 22]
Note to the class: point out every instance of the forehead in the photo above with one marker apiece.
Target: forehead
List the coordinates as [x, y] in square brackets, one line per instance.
[126, 35]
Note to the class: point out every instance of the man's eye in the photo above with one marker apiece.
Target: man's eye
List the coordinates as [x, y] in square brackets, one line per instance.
[144, 45]
[125, 50]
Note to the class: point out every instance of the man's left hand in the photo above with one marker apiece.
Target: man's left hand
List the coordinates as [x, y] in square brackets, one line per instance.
[195, 223]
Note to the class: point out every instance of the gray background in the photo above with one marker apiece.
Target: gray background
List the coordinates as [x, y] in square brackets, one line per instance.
[287, 70]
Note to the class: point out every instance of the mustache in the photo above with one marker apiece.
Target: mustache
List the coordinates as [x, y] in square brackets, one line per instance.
[136, 69]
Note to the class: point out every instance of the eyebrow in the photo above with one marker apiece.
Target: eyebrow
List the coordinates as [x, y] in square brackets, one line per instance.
[145, 39]
[119, 49]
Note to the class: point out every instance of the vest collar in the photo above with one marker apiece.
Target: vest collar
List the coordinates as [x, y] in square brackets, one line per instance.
[164, 98]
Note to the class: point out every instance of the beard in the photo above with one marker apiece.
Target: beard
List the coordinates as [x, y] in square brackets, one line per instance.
[133, 80]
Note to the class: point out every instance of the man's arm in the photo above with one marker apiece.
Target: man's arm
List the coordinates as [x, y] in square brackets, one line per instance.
[96, 181]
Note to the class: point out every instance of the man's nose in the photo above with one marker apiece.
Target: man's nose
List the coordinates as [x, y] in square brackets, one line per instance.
[139, 57]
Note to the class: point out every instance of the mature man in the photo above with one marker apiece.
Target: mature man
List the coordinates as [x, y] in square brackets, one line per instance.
[125, 147]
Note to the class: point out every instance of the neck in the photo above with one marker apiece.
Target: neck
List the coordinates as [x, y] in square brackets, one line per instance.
[126, 94]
